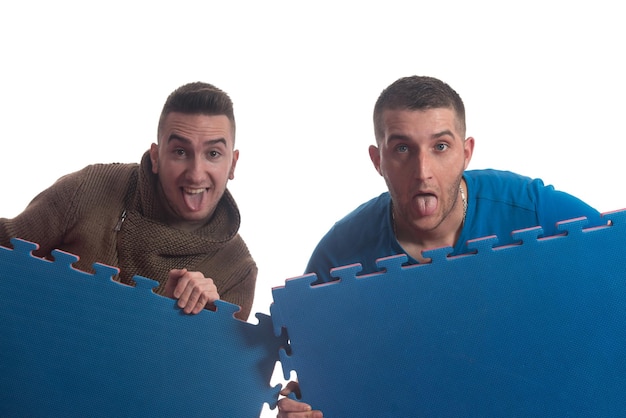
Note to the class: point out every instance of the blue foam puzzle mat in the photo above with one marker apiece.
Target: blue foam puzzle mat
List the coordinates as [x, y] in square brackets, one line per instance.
[526, 330]
[77, 344]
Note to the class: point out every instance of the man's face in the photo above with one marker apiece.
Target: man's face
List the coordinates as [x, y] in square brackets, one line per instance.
[194, 160]
[422, 156]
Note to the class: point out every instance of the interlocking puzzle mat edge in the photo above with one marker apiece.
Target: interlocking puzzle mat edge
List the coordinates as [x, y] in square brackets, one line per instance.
[77, 344]
[535, 329]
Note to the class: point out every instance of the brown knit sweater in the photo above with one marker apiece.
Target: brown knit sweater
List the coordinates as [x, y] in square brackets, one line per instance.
[81, 214]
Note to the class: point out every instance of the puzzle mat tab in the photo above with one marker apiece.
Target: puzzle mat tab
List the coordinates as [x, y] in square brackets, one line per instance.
[77, 344]
[535, 329]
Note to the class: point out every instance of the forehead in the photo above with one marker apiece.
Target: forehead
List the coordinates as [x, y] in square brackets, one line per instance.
[437, 118]
[197, 127]
[441, 115]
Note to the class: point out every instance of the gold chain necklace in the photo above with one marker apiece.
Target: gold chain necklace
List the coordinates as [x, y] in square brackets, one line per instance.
[464, 203]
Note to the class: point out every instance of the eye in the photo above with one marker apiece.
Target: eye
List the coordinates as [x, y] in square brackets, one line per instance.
[179, 152]
[402, 148]
[441, 147]
[214, 154]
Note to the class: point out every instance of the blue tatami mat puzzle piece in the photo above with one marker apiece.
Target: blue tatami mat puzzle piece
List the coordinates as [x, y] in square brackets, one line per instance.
[77, 344]
[535, 329]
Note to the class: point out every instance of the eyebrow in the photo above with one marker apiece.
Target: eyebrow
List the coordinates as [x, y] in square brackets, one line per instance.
[444, 133]
[176, 137]
[399, 137]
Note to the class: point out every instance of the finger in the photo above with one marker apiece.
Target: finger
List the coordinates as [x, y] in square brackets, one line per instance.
[289, 405]
[199, 291]
[183, 292]
[197, 301]
[197, 308]
[178, 275]
[201, 297]
[309, 414]
[292, 387]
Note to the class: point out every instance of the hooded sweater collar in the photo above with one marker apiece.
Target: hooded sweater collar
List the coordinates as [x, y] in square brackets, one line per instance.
[222, 226]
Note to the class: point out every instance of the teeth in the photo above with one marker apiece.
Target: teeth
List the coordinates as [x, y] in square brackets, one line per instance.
[193, 191]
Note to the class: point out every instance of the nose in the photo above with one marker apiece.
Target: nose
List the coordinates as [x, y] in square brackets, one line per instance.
[422, 166]
[196, 172]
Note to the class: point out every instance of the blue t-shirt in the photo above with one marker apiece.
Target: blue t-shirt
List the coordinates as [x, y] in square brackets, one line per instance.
[499, 202]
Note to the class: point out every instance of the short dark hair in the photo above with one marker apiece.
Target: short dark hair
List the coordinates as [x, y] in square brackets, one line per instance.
[418, 93]
[198, 98]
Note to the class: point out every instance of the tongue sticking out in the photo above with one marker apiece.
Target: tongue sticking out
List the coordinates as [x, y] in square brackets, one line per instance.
[193, 200]
[426, 204]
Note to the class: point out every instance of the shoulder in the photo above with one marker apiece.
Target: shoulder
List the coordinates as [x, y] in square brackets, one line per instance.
[520, 201]
[96, 180]
[374, 208]
[362, 224]
[102, 172]
[498, 178]
[505, 187]
[111, 169]
[361, 236]
[240, 250]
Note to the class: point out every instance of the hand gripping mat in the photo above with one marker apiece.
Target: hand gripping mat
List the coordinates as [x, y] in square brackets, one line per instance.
[76, 344]
[535, 329]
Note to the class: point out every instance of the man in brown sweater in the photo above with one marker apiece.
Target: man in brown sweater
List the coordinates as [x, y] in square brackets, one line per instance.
[169, 218]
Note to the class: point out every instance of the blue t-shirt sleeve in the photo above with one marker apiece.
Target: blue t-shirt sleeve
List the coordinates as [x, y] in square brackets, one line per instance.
[501, 202]
[554, 206]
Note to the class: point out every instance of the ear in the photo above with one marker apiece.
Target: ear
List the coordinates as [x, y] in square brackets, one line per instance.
[231, 175]
[375, 157]
[468, 150]
[154, 157]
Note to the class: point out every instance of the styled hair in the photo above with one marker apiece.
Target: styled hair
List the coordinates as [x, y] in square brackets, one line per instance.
[417, 93]
[198, 98]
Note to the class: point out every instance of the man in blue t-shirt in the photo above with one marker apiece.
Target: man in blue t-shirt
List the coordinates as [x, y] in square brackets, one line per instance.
[489, 203]
[432, 201]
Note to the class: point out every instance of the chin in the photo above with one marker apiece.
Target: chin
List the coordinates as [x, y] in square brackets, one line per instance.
[427, 224]
[200, 215]
[196, 217]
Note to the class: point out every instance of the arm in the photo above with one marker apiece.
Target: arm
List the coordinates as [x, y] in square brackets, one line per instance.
[242, 292]
[555, 206]
[46, 219]
[234, 272]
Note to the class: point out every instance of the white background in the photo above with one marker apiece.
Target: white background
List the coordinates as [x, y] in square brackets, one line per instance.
[84, 82]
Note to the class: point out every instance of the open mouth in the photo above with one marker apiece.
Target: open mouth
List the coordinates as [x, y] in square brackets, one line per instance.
[426, 203]
[194, 197]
